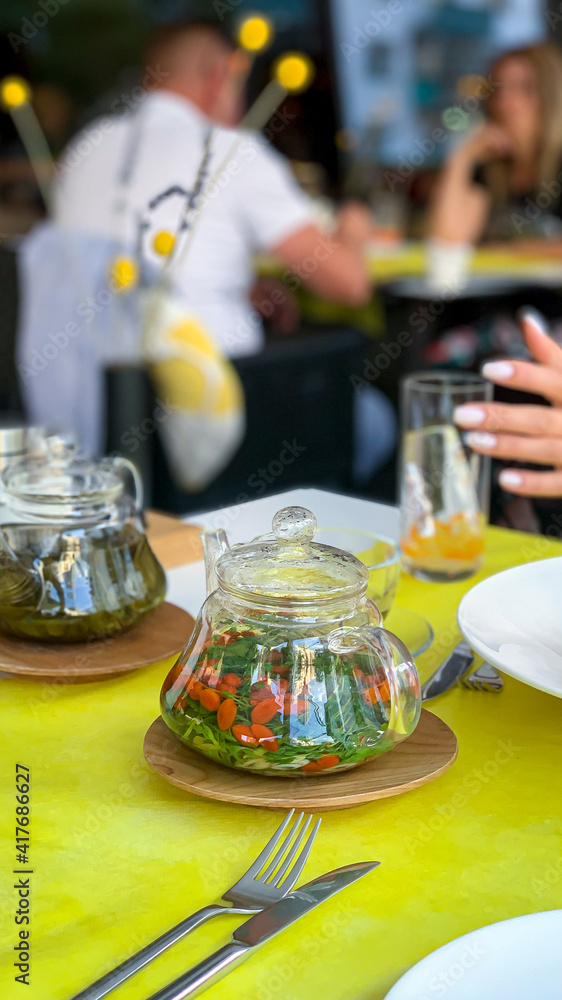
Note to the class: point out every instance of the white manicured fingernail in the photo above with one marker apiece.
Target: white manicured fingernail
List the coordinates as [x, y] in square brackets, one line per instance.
[508, 478]
[469, 416]
[500, 370]
[481, 439]
[530, 315]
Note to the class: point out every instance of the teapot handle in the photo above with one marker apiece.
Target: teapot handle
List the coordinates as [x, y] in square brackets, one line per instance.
[118, 462]
[402, 677]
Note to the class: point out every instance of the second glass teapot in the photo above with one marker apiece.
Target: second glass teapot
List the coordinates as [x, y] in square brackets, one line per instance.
[288, 671]
[75, 563]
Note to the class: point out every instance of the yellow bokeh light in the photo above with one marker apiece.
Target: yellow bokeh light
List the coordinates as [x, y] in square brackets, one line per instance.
[471, 85]
[255, 33]
[164, 242]
[294, 71]
[14, 91]
[124, 273]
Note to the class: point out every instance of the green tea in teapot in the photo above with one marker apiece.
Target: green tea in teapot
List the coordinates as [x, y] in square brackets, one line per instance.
[77, 585]
[75, 563]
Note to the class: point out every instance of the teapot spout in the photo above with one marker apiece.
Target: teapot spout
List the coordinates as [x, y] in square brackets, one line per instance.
[214, 544]
[21, 586]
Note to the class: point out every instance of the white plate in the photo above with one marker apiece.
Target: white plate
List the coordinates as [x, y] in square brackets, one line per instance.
[519, 959]
[514, 620]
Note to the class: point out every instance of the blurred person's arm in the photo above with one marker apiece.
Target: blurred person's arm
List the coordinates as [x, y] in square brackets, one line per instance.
[340, 272]
[461, 206]
[280, 220]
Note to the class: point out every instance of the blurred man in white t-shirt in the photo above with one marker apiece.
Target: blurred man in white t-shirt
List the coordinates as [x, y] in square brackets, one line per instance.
[252, 206]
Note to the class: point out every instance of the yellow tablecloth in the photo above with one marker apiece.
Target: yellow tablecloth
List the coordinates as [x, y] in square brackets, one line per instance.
[409, 260]
[405, 260]
[118, 855]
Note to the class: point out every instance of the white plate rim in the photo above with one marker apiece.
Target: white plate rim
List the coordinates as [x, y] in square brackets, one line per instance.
[408, 979]
[486, 651]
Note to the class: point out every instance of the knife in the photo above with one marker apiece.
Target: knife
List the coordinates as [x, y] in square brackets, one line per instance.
[262, 927]
[456, 664]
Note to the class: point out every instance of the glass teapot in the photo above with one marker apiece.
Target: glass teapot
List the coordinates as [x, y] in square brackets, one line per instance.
[288, 671]
[75, 563]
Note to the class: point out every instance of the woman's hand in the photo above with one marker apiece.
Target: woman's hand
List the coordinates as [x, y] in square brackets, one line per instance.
[461, 207]
[486, 143]
[355, 223]
[517, 431]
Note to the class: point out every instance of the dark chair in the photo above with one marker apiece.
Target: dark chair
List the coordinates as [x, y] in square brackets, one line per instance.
[10, 398]
[299, 400]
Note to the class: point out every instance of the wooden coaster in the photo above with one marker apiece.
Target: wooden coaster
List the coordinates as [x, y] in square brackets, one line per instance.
[173, 542]
[425, 755]
[163, 633]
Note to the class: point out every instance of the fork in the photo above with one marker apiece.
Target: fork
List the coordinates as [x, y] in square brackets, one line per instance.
[485, 678]
[256, 890]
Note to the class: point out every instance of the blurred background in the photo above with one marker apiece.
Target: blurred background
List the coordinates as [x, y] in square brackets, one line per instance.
[397, 88]
[367, 107]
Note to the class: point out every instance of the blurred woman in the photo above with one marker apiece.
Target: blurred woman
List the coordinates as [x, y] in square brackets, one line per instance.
[505, 181]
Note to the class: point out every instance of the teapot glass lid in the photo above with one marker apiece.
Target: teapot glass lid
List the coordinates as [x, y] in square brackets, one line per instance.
[289, 566]
[59, 484]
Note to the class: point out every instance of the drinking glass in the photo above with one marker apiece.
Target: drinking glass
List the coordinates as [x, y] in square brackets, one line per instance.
[445, 487]
[379, 554]
[382, 558]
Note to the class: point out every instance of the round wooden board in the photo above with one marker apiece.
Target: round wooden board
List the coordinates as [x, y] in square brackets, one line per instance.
[163, 633]
[425, 755]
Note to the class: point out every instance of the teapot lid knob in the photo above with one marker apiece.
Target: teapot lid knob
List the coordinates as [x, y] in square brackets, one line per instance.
[294, 524]
[60, 448]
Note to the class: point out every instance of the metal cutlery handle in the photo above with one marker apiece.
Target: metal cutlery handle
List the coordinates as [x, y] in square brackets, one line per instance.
[131, 965]
[200, 975]
[446, 675]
